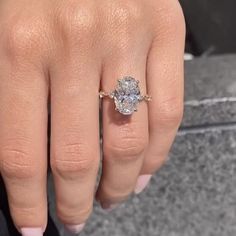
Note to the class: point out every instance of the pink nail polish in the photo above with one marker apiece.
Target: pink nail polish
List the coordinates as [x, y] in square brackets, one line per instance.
[142, 183]
[31, 231]
[109, 207]
[75, 228]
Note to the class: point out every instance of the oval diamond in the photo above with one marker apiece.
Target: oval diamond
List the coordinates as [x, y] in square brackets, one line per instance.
[127, 95]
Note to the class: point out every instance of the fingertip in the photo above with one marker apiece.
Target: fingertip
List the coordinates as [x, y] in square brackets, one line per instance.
[108, 207]
[75, 229]
[31, 231]
[142, 183]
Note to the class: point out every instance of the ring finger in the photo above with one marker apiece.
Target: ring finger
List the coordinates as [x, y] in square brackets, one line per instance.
[124, 137]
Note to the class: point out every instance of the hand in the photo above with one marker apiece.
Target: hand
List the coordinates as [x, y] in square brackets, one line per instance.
[65, 52]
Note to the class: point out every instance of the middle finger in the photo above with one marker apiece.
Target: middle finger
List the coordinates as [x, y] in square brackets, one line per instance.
[75, 139]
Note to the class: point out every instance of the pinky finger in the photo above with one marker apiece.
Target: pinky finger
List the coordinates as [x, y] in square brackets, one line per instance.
[165, 83]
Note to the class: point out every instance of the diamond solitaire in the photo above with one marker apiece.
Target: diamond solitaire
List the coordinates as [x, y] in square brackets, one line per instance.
[126, 95]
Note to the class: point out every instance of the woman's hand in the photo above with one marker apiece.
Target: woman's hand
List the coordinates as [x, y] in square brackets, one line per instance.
[65, 52]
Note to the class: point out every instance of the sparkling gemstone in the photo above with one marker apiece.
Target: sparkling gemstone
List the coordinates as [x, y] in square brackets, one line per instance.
[127, 95]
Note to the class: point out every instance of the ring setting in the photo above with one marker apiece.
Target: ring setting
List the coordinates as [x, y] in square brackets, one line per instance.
[126, 96]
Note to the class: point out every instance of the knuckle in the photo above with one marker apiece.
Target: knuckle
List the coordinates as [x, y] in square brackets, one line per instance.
[71, 168]
[171, 20]
[125, 148]
[123, 21]
[120, 25]
[17, 163]
[77, 21]
[71, 160]
[23, 38]
[126, 13]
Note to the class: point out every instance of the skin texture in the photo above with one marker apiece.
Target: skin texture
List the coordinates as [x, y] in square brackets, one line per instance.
[64, 52]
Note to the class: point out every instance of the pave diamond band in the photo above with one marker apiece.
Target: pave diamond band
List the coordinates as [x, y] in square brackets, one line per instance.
[126, 95]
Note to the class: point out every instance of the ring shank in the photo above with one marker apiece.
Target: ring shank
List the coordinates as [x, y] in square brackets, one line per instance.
[103, 94]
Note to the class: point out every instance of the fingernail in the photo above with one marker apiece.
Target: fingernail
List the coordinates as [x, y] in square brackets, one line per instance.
[75, 228]
[109, 207]
[142, 183]
[31, 231]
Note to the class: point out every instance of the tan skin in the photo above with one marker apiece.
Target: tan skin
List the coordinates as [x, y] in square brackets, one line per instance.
[65, 51]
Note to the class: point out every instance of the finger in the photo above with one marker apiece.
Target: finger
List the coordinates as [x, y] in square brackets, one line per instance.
[124, 137]
[165, 84]
[75, 139]
[23, 143]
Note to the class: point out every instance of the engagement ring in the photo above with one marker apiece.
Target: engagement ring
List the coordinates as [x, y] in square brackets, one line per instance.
[126, 95]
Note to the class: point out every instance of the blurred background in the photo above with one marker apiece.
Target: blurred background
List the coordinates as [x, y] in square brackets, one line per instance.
[194, 194]
[210, 26]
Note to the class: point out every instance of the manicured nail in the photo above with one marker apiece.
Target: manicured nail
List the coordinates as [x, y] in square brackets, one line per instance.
[75, 229]
[142, 183]
[31, 231]
[109, 207]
